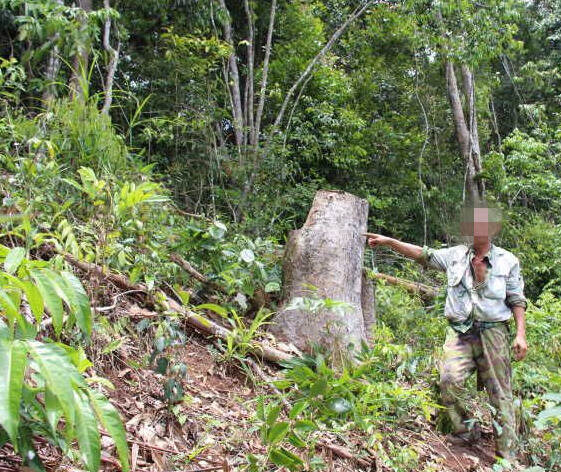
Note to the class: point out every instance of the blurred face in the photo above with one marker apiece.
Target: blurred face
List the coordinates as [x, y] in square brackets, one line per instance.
[481, 223]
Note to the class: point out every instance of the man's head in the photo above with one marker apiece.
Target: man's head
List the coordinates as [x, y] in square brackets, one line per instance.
[480, 221]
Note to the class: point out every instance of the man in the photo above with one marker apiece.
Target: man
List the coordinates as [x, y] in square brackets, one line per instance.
[484, 290]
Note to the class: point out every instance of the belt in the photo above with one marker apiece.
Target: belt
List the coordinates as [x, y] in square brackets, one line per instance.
[471, 326]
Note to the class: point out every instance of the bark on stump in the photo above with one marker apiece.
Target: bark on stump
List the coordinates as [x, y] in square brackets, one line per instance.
[324, 260]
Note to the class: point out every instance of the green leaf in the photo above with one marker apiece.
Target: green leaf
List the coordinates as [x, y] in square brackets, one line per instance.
[32, 294]
[59, 374]
[298, 408]
[109, 418]
[10, 308]
[87, 433]
[305, 425]
[272, 415]
[218, 230]
[284, 458]
[297, 441]
[277, 432]
[13, 361]
[219, 310]
[79, 300]
[34, 299]
[272, 287]
[53, 410]
[50, 297]
[319, 387]
[14, 259]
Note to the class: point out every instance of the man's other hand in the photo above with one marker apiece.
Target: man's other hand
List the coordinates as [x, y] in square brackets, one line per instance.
[377, 240]
[520, 347]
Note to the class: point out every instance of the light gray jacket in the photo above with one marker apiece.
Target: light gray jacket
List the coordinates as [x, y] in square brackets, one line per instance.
[490, 300]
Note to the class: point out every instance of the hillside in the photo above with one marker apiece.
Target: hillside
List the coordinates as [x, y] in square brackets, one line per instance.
[156, 158]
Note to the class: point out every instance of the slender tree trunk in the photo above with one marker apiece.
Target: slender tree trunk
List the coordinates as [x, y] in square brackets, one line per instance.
[112, 65]
[462, 132]
[469, 92]
[51, 72]
[264, 75]
[237, 110]
[250, 73]
[81, 58]
[326, 253]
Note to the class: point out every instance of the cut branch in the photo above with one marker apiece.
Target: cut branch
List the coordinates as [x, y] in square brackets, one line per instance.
[185, 265]
[414, 287]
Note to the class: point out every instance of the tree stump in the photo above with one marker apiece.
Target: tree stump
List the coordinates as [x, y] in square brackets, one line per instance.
[323, 261]
[368, 304]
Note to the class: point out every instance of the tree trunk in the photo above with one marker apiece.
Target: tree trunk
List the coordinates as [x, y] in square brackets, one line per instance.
[81, 59]
[469, 92]
[112, 64]
[462, 131]
[466, 133]
[53, 66]
[323, 261]
[237, 109]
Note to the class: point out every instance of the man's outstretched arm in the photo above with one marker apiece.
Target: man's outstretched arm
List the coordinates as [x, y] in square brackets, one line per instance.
[408, 250]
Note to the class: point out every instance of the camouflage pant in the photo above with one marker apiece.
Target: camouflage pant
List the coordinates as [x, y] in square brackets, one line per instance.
[488, 352]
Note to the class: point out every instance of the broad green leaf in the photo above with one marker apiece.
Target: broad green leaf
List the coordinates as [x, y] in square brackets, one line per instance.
[50, 297]
[13, 362]
[79, 300]
[59, 374]
[305, 425]
[272, 415]
[219, 310]
[109, 418]
[10, 308]
[284, 458]
[53, 410]
[297, 408]
[217, 230]
[32, 294]
[59, 286]
[277, 432]
[34, 299]
[297, 441]
[13, 259]
[87, 433]
[319, 387]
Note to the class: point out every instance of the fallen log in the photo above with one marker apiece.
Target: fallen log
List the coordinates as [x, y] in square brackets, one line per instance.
[187, 267]
[414, 287]
[200, 323]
